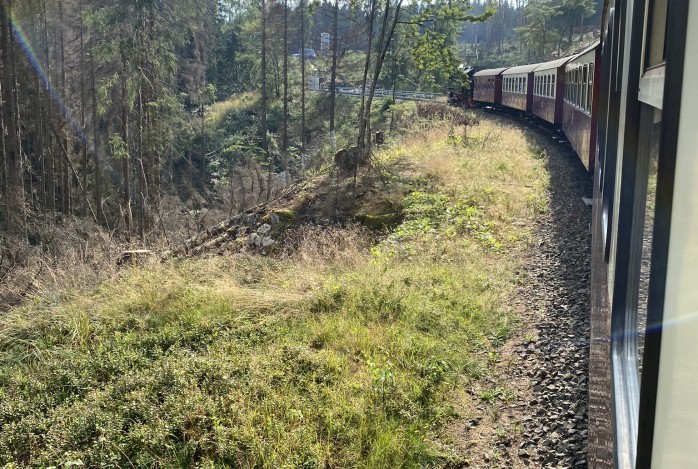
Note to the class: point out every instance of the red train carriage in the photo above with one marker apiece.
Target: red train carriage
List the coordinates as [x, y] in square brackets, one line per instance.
[517, 87]
[488, 86]
[549, 89]
[580, 114]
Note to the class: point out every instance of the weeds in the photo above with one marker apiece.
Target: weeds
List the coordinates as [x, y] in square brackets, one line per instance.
[344, 351]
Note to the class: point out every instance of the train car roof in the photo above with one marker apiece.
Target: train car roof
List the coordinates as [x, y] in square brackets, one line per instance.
[520, 69]
[588, 49]
[490, 72]
[554, 63]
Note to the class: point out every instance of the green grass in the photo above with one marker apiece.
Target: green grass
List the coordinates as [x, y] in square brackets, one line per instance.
[350, 360]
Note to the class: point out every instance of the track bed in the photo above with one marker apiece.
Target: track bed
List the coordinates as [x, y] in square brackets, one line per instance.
[543, 422]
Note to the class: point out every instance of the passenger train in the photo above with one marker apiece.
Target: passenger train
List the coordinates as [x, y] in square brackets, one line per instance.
[629, 107]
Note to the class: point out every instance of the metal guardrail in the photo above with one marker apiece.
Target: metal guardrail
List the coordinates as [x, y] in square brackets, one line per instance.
[399, 95]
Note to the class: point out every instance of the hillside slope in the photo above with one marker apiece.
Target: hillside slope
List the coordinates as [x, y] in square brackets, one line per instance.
[346, 345]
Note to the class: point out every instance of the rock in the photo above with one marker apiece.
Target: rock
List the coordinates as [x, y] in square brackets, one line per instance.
[264, 229]
[133, 257]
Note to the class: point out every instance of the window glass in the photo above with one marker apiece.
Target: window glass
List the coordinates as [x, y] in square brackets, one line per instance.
[654, 47]
[552, 94]
[582, 102]
[569, 86]
[647, 228]
[590, 95]
[578, 87]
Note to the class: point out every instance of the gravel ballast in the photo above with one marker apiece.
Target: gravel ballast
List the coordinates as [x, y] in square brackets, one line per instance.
[545, 364]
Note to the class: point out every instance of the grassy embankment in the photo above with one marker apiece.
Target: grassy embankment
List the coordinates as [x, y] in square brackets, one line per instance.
[344, 355]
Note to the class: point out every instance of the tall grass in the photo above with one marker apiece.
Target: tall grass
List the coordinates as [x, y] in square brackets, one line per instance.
[337, 353]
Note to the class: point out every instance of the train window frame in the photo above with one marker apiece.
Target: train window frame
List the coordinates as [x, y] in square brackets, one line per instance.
[579, 87]
[656, 14]
[590, 96]
[633, 433]
[568, 85]
[580, 83]
[582, 103]
[552, 89]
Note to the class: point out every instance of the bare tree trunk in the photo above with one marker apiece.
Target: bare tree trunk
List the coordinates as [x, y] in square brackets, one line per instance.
[387, 31]
[302, 8]
[263, 130]
[51, 164]
[65, 166]
[333, 79]
[95, 151]
[126, 201]
[284, 138]
[16, 221]
[361, 143]
[83, 105]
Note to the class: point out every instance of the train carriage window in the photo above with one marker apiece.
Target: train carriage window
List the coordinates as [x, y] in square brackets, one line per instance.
[553, 90]
[655, 50]
[570, 85]
[579, 87]
[590, 93]
[583, 101]
[545, 85]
